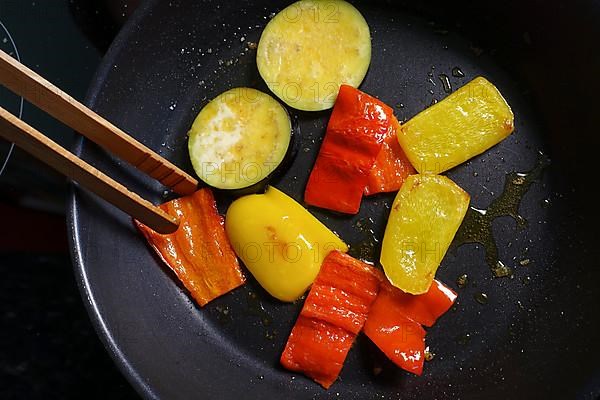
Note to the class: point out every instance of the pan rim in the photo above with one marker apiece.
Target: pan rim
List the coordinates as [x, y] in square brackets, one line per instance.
[73, 225]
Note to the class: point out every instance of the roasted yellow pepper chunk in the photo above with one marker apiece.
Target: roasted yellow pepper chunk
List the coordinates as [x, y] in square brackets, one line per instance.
[425, 216]
[463, 125]
[279, 241]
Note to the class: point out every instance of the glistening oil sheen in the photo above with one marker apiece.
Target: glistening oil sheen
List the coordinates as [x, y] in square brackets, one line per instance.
[477, 225]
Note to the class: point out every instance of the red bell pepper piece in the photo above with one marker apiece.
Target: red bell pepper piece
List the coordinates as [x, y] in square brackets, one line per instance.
[318, 349]
[401, 339]
[391, 166]
[199, 251]
[424, 308]
[355, 133]
[394, 322]
[334, 312]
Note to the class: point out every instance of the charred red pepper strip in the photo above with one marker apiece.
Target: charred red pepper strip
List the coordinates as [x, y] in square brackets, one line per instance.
[199, 251]
[333, 314]
[358, 125]
[391, 166]
[394, 322]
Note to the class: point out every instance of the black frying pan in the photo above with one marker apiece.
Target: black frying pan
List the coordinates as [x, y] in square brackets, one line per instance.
[537, 336]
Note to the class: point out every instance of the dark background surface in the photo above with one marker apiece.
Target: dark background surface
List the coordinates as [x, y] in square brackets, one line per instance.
[48, 347]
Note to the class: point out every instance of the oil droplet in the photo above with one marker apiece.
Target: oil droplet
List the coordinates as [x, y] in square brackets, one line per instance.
[445, 83]
[457, 72]
[500, 270]
[365, 249]
[365, 225]
[481, 297]
[526, 280]
[430, 73]
[399, 105]
[433, 101]
[477, 225]
[429, 355]
[271, 334]
[464, 339]
[224, 314]
[525, 262]
[252, 45]
[256, 308]
[462, 281]
[546, 203]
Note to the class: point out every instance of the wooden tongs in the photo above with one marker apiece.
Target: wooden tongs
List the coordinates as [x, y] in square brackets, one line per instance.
[41, 93]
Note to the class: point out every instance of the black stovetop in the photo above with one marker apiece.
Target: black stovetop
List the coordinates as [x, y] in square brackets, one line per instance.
[48, 348]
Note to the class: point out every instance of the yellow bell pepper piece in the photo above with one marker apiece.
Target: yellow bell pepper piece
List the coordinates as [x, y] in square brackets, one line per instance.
[463, 125]
[279, 241]
[425, 216]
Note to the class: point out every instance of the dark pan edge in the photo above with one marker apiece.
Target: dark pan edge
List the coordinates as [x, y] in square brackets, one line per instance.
[72, 216]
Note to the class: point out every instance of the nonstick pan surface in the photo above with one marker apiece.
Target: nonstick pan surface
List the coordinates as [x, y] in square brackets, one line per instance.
[536, 336]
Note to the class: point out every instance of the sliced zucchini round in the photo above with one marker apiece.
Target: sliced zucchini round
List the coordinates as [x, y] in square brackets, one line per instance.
[312, 47]
[239, 138]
